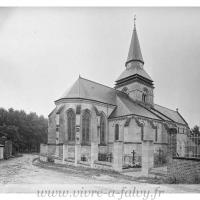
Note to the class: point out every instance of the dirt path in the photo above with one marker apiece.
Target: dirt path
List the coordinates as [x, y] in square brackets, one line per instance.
[21, 170]
[20, 175]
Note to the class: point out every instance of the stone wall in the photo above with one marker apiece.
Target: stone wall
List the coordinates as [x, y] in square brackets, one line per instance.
[70, 151]
[111, 131]
[134, 132]
[86, 152]
[43, 149]
[1, 152]
[103, 149]
[136, 89]
[51, 150]
[60, 147]
[52, 128]
[184, 170]
[63, 137]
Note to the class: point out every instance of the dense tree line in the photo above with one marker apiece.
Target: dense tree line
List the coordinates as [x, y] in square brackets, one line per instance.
[25, 130]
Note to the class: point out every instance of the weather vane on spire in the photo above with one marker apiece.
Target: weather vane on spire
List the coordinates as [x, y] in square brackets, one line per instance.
[134, 21]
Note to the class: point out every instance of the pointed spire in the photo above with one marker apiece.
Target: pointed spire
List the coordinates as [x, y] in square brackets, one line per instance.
[134, 53]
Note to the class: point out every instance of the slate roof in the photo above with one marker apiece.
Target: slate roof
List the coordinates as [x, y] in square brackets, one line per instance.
[126, 106]
[90, 90]
[135, 62]
[134, 53]
[172, 114]
[134, 69]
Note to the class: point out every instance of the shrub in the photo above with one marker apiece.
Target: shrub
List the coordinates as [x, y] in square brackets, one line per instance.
[50, 159]
[197, 179]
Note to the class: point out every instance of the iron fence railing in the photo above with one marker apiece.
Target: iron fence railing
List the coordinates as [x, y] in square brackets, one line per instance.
[192, 146]
[106, 157]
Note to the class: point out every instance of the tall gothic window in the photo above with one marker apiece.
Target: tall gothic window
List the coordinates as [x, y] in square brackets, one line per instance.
[156, 134]
[116, 131]
[142, 133]
[86, 127]
[71, 124]
[102, 129]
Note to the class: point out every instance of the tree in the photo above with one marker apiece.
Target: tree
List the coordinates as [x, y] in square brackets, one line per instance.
[26, 131]
[195, 133]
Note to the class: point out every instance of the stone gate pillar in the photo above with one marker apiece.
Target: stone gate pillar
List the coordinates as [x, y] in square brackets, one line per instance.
[57, 135]
[147, 156]
[77, 153]
[95, 127]
[65, 150]
[94, 153]
[117, 155]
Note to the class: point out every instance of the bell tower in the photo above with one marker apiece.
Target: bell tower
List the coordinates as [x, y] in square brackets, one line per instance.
[134, 80]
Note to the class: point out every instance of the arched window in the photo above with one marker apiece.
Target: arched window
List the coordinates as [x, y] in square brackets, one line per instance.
[116, 131]
[144, 97]
[102, 129]
[142, 133]
[156, 134]
[71, 125]
[86, 127]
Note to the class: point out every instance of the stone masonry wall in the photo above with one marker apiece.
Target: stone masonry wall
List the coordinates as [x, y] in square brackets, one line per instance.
[52, 129]
[184, 170]
[43, 149]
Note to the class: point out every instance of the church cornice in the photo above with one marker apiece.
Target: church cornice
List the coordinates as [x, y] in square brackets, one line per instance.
[134, 116]
[78, 99]
[162, 121]
[134, 78]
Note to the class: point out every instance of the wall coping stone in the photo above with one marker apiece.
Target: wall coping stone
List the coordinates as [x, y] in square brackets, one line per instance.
[109, 164]
[54, 144]
[84, 163]
[185, 158]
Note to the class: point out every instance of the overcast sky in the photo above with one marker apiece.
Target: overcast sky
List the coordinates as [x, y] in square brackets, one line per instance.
[43, 50]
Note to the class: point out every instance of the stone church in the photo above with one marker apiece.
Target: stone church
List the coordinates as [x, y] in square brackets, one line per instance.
[103, 127]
